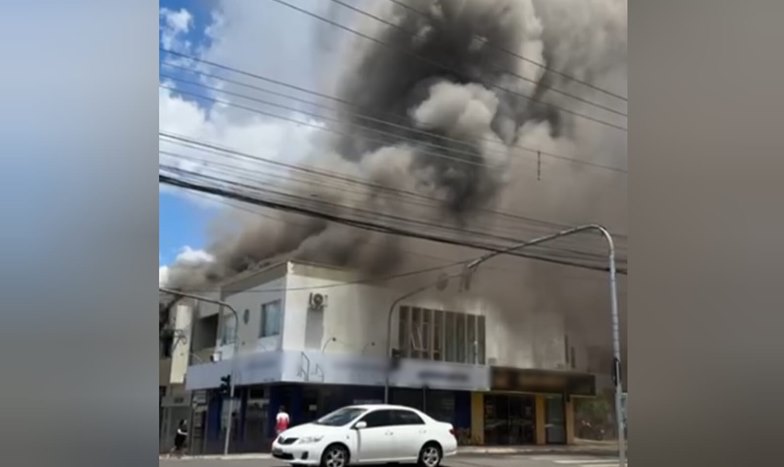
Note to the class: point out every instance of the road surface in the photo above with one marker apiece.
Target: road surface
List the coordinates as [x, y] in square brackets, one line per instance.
[494, 460]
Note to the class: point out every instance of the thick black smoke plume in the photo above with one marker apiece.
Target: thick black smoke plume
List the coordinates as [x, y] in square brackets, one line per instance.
[447, 84]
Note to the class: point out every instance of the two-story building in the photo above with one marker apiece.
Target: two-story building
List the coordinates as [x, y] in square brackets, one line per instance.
[313, 338]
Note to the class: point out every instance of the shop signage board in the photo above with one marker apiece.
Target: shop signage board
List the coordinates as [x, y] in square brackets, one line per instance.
[543, 381]
[319, 368]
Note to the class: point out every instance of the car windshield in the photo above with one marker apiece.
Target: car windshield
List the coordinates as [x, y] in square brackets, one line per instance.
[340, 417]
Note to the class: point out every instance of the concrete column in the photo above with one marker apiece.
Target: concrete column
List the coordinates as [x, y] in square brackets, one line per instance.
[541, 433]
[569, 421]
[478, 418]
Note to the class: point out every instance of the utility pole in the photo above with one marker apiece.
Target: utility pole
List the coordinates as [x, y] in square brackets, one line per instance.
[615, 322]
[471, 267]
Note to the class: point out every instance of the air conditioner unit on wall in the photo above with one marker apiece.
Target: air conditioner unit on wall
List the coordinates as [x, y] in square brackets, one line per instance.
[317, 302]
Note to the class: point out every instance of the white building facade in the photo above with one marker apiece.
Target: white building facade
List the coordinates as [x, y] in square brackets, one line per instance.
[313, 338]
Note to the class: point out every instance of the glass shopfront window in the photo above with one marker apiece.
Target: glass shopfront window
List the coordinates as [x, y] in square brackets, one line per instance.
[555, 420]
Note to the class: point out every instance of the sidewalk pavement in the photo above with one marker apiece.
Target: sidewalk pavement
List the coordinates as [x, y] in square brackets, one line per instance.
[580, 447]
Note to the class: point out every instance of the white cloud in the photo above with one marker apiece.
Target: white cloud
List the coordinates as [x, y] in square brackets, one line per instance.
[245, 35]
[179, 21]
[187, 257]
[255, 135]
[174, 25]
[163, 275]
[190, 255]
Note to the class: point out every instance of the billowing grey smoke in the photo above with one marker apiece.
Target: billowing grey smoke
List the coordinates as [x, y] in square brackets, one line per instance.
[443, 86]
[475, 124]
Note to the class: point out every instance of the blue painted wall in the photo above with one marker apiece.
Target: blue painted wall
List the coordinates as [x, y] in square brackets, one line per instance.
[462, 409]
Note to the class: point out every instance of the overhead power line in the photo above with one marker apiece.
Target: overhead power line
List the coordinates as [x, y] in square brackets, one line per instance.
[267, 180]
[442, 66]
[362, 224]
[536, 152]
[289, 222]
[503, 148]
[484, 41]
[395, 138]
[270, 180]
[375, 215]
[367, 280]
[353, 181]
[383, 142]
[378, 215]
[520, 56]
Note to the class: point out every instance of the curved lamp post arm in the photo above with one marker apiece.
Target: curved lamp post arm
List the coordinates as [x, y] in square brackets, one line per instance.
[619, 420]
[545, 238]
[394, 304]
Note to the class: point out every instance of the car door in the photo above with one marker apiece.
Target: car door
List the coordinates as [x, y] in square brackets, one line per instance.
[409, 432]
[374, 442]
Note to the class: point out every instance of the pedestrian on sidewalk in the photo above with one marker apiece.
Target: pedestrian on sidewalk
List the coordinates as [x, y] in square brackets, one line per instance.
[180, 438]
[282, 421]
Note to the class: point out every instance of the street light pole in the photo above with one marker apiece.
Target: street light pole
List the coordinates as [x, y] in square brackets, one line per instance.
[389, 323]
[619, 420]
[233, 357]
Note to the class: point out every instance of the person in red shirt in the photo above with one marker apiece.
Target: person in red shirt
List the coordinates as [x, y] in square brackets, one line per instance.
[282, 420]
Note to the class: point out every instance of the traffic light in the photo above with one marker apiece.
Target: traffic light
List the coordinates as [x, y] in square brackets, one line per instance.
[395, 359]
[616, 371]
[225, 386]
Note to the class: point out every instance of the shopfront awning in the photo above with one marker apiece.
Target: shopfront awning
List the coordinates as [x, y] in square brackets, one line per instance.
[543, 381]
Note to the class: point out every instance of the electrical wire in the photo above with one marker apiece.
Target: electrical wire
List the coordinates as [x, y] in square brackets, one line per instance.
[367, 14]
[533, 151]
[309, 183]
[520, 56]
[363, 224]
[379, 215]
[342, 177]
[368, 280]
[566, 247]
[441, 66]
[395, 138]
[505, 151]
[416, 253]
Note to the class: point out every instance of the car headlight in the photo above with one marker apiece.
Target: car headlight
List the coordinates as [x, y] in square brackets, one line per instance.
[310, 439]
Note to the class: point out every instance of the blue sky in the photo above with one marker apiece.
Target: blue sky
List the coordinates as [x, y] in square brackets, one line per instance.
[251, 35]
[181, 221]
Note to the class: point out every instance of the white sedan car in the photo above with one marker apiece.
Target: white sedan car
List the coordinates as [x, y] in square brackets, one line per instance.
[368, 434]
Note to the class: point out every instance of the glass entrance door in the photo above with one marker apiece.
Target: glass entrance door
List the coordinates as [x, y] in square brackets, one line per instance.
[496, 419]
[522, 420]
[509, 419]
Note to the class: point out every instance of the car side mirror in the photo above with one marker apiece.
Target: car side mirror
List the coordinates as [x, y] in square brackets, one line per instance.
[360, 425]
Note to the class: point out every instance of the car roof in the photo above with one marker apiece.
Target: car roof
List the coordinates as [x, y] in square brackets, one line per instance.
[381, 406]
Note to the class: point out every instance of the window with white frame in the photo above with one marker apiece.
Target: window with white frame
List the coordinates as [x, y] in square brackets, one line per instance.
[441, 335]
[227, 329]
[270, 319]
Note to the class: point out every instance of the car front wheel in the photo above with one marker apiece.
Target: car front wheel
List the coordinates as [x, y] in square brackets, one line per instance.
[430, 456]
[334, 456]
